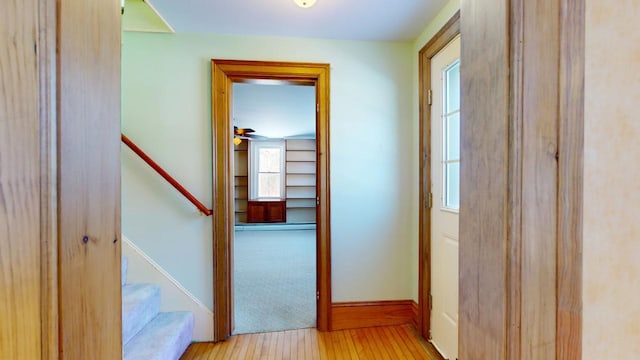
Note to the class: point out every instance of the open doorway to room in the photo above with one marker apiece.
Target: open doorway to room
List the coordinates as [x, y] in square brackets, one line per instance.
[274, 267]
[226, 73]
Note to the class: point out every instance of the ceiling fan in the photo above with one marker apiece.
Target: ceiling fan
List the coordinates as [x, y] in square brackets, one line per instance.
[244, 133]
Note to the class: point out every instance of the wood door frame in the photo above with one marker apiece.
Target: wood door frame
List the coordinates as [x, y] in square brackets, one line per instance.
[223, 74]
[441, 39]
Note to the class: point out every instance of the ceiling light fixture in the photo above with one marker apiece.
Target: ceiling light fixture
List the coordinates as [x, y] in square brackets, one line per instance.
[305, 3]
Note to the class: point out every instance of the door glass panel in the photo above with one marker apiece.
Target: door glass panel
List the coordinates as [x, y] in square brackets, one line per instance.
[453, 87]
[452, 191]
[451, 136]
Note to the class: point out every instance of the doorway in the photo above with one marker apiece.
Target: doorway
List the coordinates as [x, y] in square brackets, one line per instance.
[224, 74]
[439, 189]
[274, 244]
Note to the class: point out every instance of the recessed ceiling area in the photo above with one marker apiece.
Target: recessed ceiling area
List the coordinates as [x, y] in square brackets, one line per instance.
[275, 111]
[380, 20]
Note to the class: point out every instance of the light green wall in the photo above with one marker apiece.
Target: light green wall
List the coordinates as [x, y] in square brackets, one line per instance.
[166, 110]
[431, 29]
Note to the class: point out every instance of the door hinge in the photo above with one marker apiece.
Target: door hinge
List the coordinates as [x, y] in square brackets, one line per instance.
[430, 302]
[318, 107]
[429, 96]
[430, 201]
[318, 201]
[317, 295]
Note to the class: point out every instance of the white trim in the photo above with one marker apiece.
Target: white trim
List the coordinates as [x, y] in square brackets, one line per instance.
[254, 147]
[275, 227]
[174, 297]
[148, 2]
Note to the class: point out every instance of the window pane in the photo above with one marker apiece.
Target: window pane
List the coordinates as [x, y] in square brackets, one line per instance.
[269, 185]
[269, 160]
[452, 185]
[453, 88]
[452, 137]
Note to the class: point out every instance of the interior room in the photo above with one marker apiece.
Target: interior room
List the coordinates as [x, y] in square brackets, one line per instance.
[275, 216]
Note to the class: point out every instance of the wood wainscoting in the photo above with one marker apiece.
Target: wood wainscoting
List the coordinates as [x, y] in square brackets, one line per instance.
[353, 315]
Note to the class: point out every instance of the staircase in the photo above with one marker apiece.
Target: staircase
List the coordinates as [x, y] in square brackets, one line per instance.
[148, 334]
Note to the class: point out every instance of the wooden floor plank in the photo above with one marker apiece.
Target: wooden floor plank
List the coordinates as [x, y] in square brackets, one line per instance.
[381, 341]
[288, 345]
[280, 345]
[392, 342]
[378, 353]
[416, 349]
[397, 351]
[251, 347]
[241, 348]
[322, 345]
[362, 344]
[302, 344]
[334, 339]
[313, 344]
[351, 348]
[228, 345]
[406, 350]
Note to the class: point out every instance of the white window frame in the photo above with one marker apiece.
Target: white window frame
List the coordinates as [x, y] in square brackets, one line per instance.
[253, 154]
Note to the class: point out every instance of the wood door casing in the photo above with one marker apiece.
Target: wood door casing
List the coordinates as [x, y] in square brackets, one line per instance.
[223, 74]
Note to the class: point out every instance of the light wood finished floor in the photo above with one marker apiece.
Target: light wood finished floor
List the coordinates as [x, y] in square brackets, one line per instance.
[393, 342]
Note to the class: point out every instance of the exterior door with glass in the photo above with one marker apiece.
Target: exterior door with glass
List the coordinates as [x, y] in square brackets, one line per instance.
[445, 170]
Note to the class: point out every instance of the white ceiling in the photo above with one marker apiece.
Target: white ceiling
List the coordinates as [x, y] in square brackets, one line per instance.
[375, 20]
[275, 111]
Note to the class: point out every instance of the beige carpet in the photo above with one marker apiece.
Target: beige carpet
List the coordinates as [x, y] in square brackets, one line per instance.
[274, 280]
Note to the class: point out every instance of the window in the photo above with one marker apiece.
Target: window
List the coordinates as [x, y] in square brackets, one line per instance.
[451, 136]
[266, 160]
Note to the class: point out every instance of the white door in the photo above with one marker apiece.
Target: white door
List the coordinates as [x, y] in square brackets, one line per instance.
[445, 170]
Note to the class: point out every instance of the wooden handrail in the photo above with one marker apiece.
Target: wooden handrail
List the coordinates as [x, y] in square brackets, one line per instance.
[203, 209]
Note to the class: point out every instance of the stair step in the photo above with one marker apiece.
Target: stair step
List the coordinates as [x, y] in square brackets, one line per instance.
[166, 337]
[125, 266]
[140, 304]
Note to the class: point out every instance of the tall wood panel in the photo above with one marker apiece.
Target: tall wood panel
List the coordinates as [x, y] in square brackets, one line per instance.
[539, 146]
[89, 179]
[20, 246]
[522, 94]
[484, 178]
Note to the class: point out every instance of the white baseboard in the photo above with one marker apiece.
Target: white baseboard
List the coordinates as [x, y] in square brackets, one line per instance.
[174, 297]
[275, 227]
